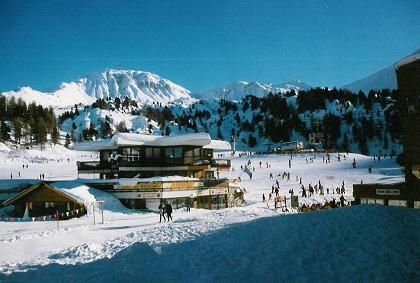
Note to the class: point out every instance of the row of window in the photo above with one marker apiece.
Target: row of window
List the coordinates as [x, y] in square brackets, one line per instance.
[134, 153]
[391, 202]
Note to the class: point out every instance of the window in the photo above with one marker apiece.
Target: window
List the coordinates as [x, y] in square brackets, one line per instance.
[148, 152]
[393, 202]
[152, 152]
[104, 155]
[173, 152]
[126, 151]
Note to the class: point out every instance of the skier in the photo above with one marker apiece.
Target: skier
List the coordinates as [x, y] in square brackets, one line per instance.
[263, 198]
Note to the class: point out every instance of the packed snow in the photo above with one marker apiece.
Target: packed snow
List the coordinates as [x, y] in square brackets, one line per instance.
[247, 243]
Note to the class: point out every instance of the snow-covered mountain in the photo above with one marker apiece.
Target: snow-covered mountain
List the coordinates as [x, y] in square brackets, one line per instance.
[144, 87]
[240, 89]
[385, 78]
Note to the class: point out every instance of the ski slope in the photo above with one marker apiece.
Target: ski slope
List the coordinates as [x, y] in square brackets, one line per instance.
[243, 244]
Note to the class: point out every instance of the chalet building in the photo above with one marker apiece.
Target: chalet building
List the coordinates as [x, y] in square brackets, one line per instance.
[144, 171]
[129, 155]
[407, 193]
[42, 199]
[316, 137]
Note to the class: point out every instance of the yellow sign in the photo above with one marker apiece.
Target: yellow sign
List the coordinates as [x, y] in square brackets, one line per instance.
[182, 184]
[143, 186]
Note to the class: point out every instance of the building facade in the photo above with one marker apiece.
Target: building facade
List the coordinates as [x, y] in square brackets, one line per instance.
[144, 156]
[144, 171]
[407, 193]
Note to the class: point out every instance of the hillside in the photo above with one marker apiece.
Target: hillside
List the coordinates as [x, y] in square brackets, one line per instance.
[341, 120]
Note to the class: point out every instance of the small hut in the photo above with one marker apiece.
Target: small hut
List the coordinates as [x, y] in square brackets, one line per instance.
[42, 199]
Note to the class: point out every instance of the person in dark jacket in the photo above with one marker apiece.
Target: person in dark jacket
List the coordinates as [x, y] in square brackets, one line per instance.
[162, 212]
[168, 208]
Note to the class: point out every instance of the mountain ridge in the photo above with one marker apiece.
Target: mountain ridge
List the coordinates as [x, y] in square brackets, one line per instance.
[144, 87]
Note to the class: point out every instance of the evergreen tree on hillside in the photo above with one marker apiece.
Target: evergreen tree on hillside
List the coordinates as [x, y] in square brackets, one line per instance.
[55, 135]
[252, 141]
[68, 140]
[4, 131]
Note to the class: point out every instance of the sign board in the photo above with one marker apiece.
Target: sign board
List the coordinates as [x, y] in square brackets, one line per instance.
[182, 185]
[218, 191]
[294, 201]
[144, 195]
[143, 186]
[203, 192]
[388, 192]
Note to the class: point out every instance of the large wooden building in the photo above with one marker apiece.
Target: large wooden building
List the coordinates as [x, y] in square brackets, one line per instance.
[135, 155]
[407, 193]
[143, 171]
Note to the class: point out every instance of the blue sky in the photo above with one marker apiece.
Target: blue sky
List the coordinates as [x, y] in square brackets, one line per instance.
[201, 44]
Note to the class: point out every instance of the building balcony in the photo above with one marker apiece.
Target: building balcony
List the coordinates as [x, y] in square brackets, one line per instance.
[93, 167]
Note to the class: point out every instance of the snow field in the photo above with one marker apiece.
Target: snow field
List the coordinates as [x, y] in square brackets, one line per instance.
[232, 244]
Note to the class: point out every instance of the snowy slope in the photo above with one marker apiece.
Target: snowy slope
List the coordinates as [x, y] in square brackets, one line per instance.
[144, 87]
[240, 89]
[385, 78]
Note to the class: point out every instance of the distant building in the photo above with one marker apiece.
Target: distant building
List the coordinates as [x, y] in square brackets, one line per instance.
[316, 137]
[407, 193]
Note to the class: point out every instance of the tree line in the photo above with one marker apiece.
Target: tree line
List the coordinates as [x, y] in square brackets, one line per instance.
[24, 123]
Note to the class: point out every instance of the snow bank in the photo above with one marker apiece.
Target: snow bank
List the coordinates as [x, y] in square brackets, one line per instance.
[363, 243]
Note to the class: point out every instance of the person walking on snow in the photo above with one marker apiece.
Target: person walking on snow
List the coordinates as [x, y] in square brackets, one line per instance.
[168, 209]
[162, 213]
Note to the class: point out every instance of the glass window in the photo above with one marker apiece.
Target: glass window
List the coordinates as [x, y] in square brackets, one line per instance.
[135, 151]
[197, 152]
[156, 153]
[105, 155]
[173, 152]
[47, 205]
[189, 153]
[126, 151]
[148, 151]
[152, 152]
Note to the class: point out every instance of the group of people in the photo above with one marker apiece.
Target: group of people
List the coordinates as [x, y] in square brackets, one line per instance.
[326, 205]
[165, 209]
